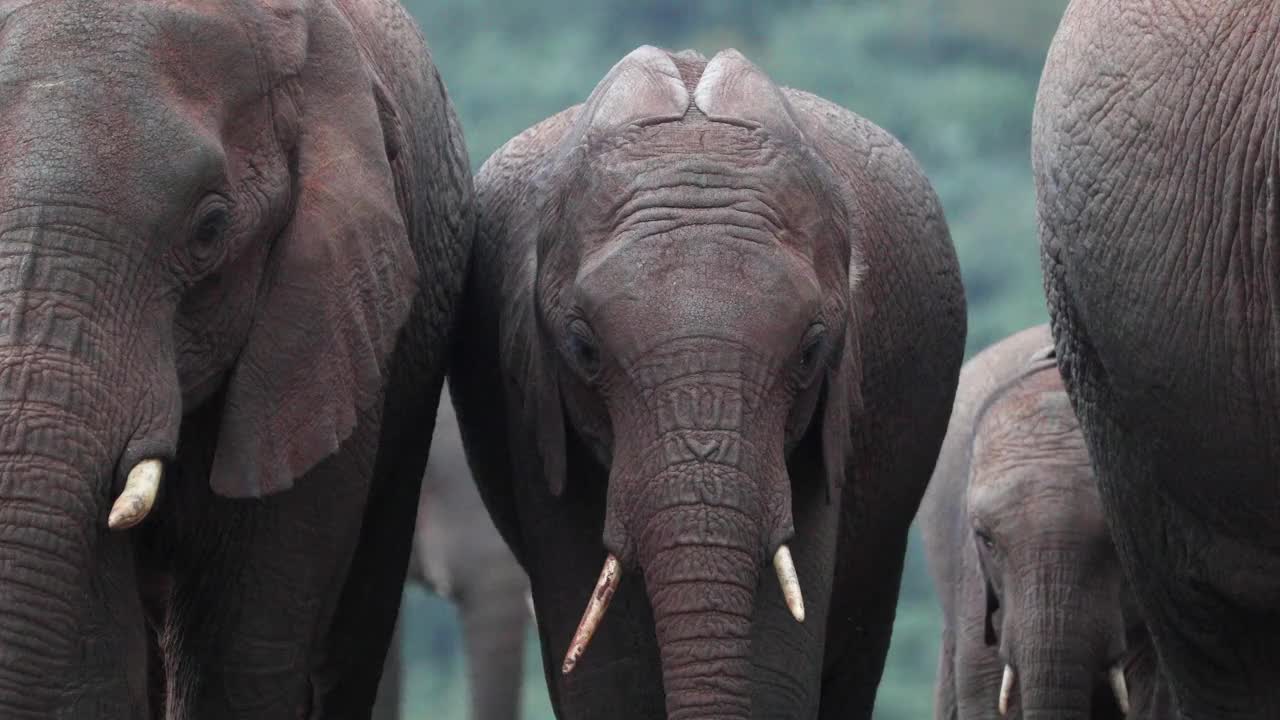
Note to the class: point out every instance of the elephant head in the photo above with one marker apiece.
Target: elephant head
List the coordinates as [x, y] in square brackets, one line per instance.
[196, 206]
[1057, 607]
[693, 297]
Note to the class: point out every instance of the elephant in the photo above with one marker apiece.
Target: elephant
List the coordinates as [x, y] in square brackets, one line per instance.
[1155, 157]
[1038, 621]
[235, 237]
[459, 555]
[711, 326]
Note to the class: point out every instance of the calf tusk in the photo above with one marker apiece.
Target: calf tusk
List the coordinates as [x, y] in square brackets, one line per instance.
[1006, 689]
[790, 582]
[138, 497]
[610, 575]
[1120, 688]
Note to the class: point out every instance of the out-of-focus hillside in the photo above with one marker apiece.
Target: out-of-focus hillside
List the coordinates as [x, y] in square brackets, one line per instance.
[954, 80]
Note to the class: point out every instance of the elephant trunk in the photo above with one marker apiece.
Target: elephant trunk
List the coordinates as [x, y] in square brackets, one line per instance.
[71, 645]
[81, 406]
[700, 500]
[1062, 653]
[701, 568]
[1055, 684]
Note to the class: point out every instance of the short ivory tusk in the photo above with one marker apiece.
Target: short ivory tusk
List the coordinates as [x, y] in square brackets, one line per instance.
[1120, 688]
[610, 575]
[1006, 689]
[138, 497]
[790, 582]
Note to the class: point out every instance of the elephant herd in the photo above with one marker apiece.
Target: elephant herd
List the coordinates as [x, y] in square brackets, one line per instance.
[703, 336]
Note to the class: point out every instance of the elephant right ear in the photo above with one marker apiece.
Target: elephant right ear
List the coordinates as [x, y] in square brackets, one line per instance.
[534, 410]
[341, 278]
[547, 415]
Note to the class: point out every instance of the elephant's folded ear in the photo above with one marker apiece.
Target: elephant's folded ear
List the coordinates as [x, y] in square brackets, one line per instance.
[338, 287]
[549, 420]
[989, 624]
[841, 406]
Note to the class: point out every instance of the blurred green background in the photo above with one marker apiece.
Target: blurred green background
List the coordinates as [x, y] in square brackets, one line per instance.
[954, 80]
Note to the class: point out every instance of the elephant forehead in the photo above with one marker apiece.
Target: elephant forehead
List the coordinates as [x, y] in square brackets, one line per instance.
[699, 279]
[699, 172]
[191, 50]
[1029, 438]
[1050, 495]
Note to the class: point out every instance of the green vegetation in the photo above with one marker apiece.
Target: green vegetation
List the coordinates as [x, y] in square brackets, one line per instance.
[954, 80]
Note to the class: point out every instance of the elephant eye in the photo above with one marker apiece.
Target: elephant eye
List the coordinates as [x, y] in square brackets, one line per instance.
[211, 227]
[583, 348]
[205, 245]
[811, 351]
[985, 539]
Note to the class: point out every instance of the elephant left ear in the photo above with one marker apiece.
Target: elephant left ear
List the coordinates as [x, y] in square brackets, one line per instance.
[339, 283]
[841, 405]
[989, 635]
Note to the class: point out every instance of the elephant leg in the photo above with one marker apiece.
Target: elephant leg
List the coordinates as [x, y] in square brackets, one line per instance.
[350, 659]
[390, 690]
[255, 586]
[494, 617]
[863, 623]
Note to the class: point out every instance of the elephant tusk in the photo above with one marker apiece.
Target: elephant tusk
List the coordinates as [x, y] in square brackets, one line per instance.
[1006, 689]
[1120, 688]
[138, 497]
[789, 581]
[528, 601]
[610, 575]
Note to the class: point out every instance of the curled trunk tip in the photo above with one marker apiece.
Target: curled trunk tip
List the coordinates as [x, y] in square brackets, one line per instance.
[138, 497]
[610, 575]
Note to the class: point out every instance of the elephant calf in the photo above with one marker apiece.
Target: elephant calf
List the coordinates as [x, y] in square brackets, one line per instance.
[1038, 619]
[713, 329]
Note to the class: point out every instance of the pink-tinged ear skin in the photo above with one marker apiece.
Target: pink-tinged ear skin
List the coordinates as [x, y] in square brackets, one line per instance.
[338, 289]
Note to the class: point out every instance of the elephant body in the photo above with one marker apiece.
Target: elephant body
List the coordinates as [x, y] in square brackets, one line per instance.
[710, 322]
[1157, 156]
[459, 555]
[1021, 558]
[235, 235]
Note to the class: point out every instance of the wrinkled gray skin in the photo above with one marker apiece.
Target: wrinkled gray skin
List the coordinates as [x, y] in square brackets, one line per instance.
[1020, 555]
[459, 555]
[708, 316]
[233, 236]
[1156, 150]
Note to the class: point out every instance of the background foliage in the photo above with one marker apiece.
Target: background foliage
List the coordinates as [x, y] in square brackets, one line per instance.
[954, 80]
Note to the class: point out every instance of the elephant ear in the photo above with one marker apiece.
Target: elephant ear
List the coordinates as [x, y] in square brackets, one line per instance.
[1048, 352]
[339, 283]
[841, 404]
[989, 616]
[643, 88]
[543, 409]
